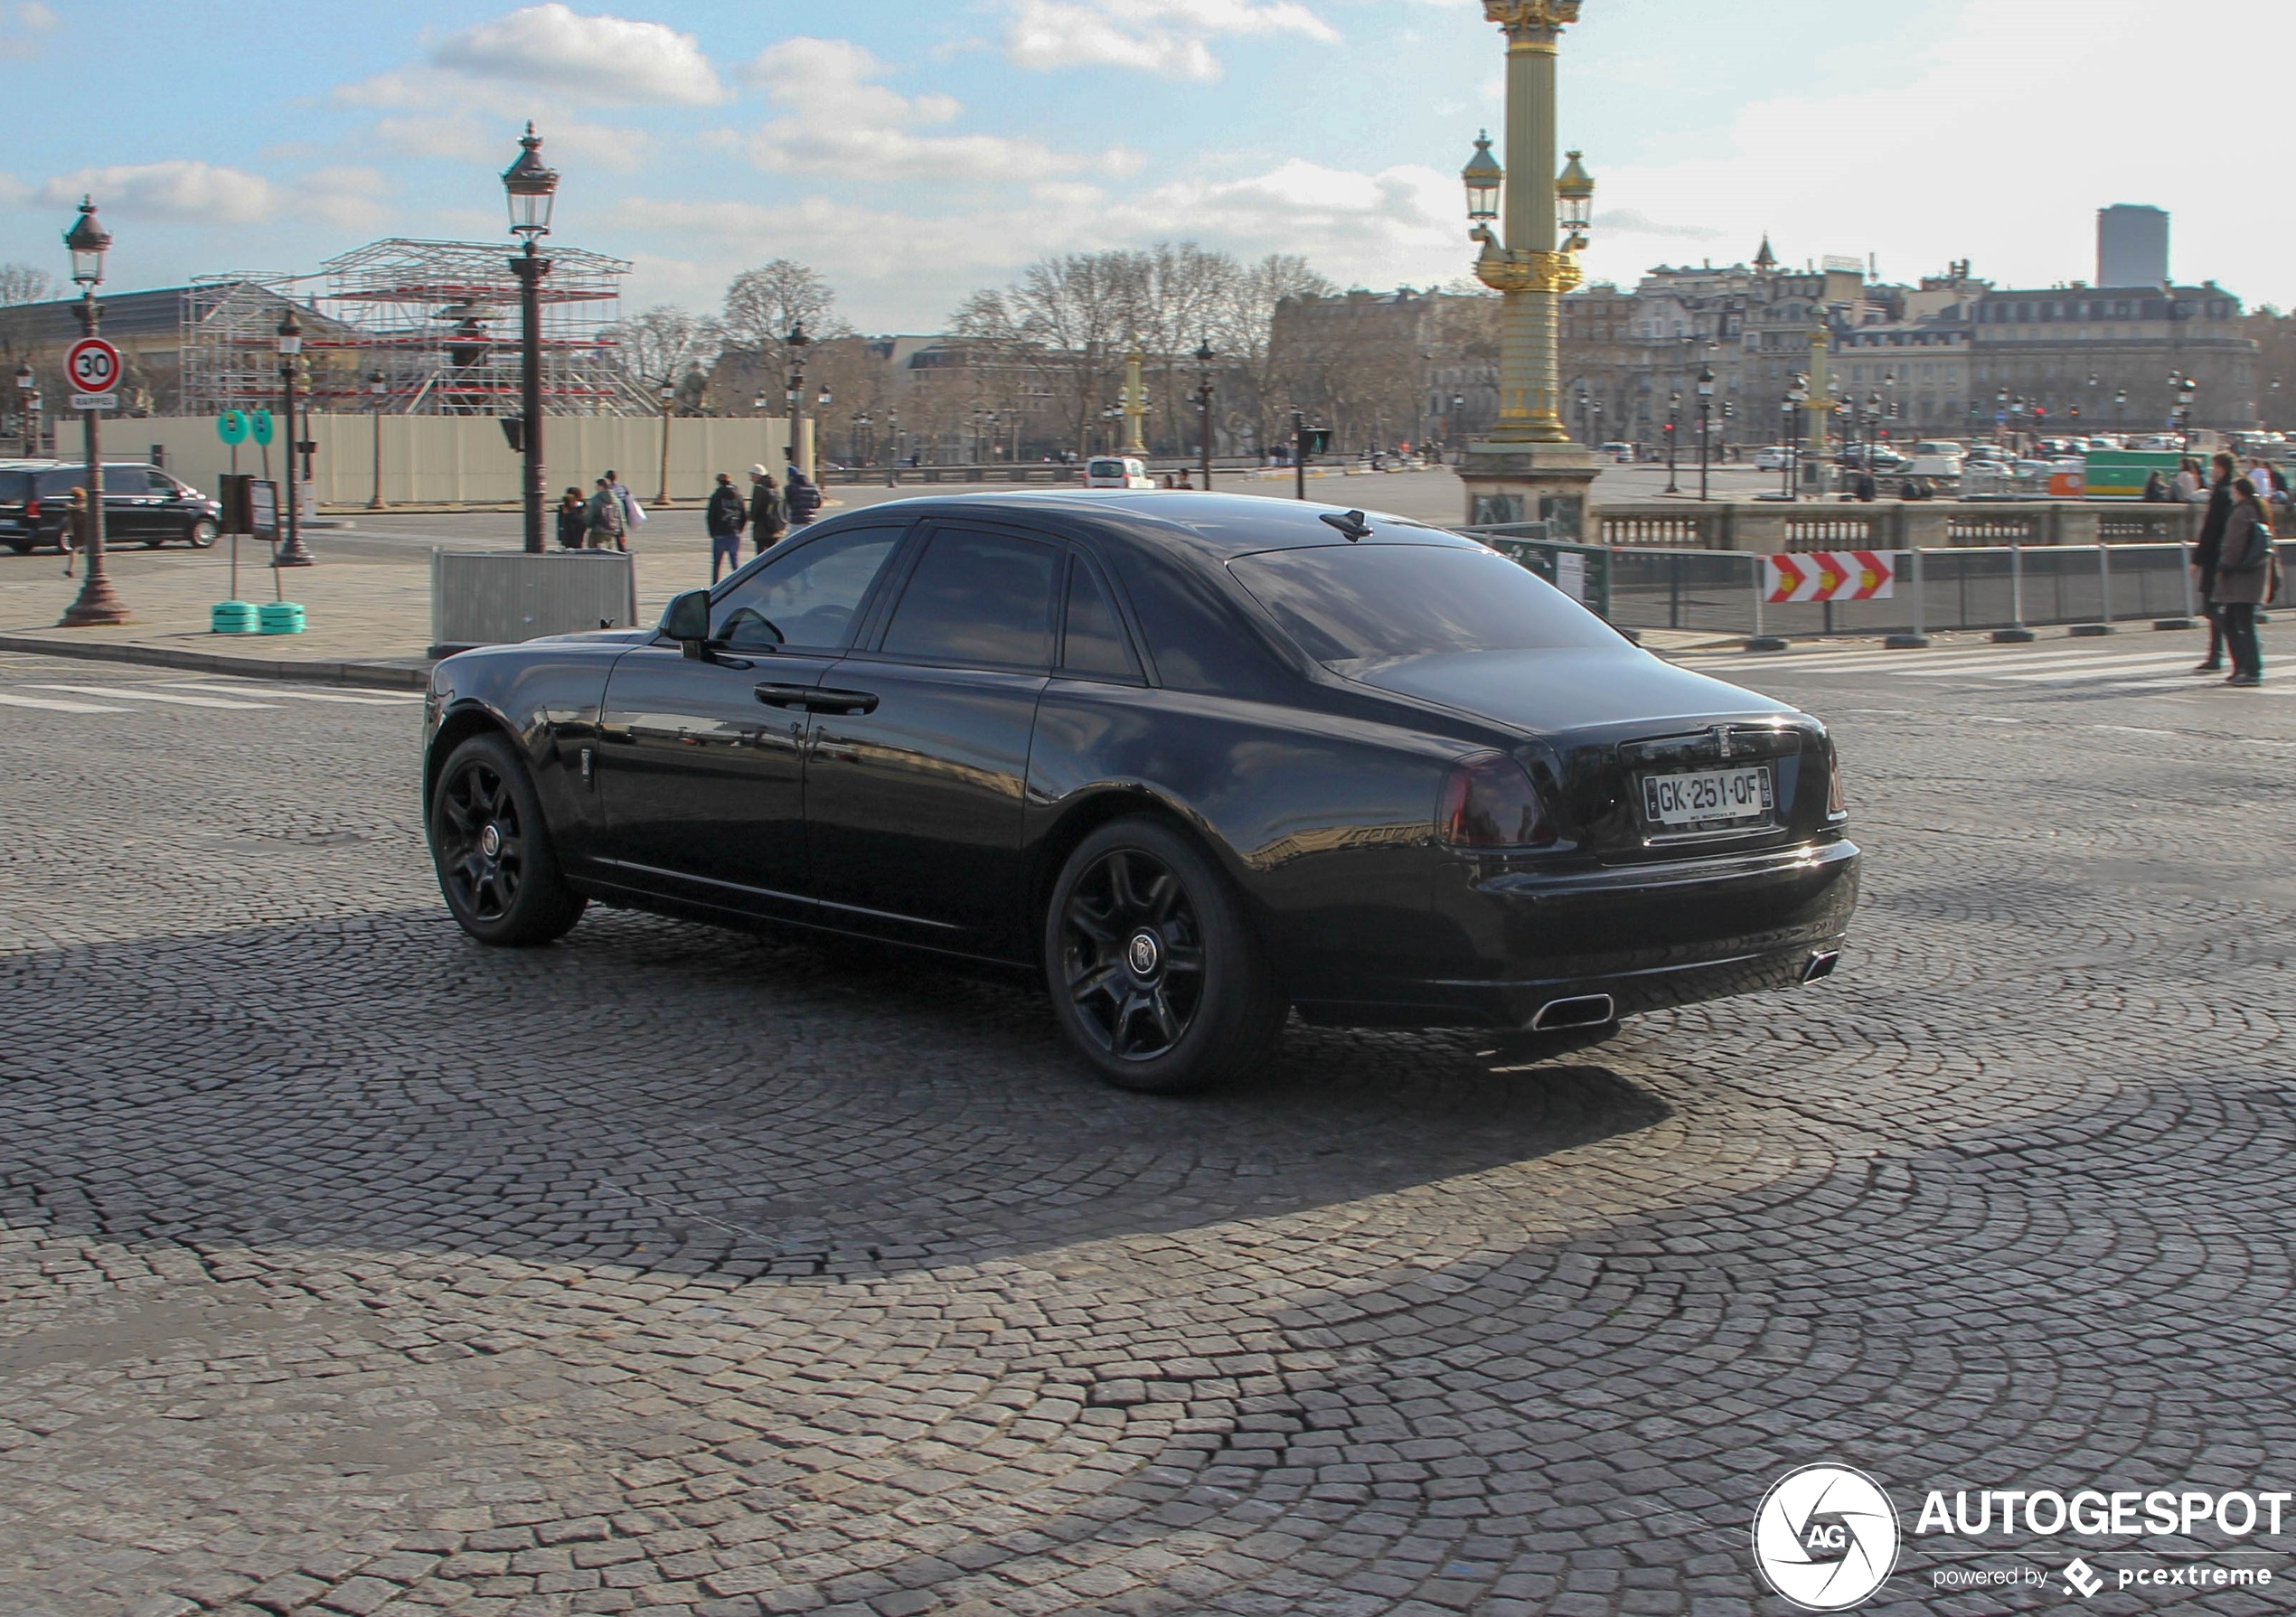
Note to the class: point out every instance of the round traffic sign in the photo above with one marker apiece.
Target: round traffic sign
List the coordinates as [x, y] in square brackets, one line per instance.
[232, 427]
[258, 426]
[92, 365]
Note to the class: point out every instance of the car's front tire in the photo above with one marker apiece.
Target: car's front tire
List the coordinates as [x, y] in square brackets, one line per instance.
[496, 864]
[1157, 975]
[202, 534]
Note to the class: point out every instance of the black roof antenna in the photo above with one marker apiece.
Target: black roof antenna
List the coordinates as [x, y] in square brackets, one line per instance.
[1351, 524]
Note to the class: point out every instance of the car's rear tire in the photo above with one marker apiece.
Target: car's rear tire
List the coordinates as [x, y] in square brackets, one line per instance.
[1157, 975]
[22, 547]
[496, 864]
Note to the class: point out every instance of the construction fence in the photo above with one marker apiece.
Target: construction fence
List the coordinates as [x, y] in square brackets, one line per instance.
[466, 460]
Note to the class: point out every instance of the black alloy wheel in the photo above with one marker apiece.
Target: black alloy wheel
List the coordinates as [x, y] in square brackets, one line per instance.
[496, 867]
[1156, 974]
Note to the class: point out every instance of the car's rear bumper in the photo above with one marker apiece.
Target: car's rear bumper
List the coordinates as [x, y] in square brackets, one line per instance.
[1648, 936]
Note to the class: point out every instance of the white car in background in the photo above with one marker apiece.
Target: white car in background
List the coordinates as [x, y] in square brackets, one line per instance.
[1114, 470]
[1772, 457]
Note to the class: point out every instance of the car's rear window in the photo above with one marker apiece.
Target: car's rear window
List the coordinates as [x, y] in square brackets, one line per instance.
[1351, 604]
[16, 487]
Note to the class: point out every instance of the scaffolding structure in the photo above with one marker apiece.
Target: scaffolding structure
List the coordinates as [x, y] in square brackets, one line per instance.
[416, 328]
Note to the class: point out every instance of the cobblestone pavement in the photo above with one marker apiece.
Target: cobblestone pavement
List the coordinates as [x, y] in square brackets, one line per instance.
[348, 1268]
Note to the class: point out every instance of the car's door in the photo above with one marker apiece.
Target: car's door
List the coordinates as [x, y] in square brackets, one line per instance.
[131, 510]
[913, 808]
[702, 760]
[174, 512]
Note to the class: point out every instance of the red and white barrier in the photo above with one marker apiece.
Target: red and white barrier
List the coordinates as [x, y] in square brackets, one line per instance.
[1830, 576]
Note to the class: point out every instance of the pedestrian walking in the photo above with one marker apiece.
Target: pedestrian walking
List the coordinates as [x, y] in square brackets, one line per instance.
[803, 500]
[604, 523]
[2155, 488]
[724, 518]
[2188, 482]
[573, 520]
[633, 514]
[2246, 580]
[72, 531]
[767, 520]
[1865, 488]
[2206, 551]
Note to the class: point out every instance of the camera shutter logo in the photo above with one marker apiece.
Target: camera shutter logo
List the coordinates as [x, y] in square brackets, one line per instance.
[1825, 1538]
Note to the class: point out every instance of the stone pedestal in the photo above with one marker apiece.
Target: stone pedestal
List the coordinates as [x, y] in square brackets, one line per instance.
[1530, 483]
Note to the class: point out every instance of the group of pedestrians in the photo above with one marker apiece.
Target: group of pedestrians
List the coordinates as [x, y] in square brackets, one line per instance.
[769, 511]
[2237, 565]
[605, 519]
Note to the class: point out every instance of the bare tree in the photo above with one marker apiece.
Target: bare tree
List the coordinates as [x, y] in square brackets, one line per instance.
[664, 347]
[762, 307]
[20, 284]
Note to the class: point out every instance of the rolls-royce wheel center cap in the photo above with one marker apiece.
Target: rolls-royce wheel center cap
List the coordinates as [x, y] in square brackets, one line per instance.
[1144, 953]
[490, 841]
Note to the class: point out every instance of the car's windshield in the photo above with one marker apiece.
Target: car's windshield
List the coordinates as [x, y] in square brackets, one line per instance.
[1351, 604]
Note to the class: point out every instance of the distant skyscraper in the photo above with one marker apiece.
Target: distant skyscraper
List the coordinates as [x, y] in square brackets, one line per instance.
[2132, 246]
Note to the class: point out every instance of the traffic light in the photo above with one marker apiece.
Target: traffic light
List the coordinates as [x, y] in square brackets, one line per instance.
[1315, 440]
[514, 432]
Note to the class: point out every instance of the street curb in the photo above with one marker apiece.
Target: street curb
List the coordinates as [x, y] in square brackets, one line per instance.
[374, 676]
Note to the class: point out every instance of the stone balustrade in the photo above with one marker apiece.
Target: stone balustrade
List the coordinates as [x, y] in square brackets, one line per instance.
[1884, 524]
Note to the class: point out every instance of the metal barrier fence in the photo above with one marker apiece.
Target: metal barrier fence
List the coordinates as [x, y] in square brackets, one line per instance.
[499, 598]
[1721, 592]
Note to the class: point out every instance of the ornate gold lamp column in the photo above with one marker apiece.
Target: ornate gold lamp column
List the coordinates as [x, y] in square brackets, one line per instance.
[1136, 400]
[1527, 469]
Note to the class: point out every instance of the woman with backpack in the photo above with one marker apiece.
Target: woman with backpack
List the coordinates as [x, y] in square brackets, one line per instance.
[2245, 579]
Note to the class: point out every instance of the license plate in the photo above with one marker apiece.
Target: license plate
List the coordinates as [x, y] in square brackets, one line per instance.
[1708, 797]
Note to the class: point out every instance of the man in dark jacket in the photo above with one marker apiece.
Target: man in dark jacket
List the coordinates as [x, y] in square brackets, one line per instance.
[2206, 552]
[724, 518]
[767, 521]
[803, 500]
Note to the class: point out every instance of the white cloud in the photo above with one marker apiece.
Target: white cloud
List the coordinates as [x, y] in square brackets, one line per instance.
[1633, 222]
[1167, 37]
[349, 196]
[177, 190]
[841, 124]
[589, 58]
[24, 28]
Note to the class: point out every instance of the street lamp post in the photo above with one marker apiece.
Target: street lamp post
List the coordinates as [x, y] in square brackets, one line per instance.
[669, 395]
[1706, 426]
[1530, 261]
[294, 553]
[1204, 357]
[28, 388]
[531, 189]
[794, 395]
[378, 385]
[1673, 424]
[88, 241]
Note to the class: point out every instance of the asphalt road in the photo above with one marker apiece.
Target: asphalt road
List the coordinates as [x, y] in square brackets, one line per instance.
[348, 1268]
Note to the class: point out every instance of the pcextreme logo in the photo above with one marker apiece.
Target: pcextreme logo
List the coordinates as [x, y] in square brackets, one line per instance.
[1825, 1538]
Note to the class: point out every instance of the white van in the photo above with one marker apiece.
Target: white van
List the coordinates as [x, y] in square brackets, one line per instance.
[1113, 471]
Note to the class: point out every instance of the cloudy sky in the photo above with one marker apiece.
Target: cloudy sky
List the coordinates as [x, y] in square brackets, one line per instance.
[913, 152]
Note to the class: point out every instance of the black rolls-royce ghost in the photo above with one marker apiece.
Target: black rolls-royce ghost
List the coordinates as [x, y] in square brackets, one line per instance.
[1197, 758]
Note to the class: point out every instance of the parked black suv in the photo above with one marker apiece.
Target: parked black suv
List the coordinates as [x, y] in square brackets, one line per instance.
[142, 505]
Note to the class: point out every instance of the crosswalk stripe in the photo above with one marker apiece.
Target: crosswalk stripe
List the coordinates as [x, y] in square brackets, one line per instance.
[376, 701]
[145, 694]
[51, 705]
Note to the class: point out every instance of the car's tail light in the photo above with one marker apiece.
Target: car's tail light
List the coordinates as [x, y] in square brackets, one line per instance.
[1836, 805]
[1488, 801]
[32, 509]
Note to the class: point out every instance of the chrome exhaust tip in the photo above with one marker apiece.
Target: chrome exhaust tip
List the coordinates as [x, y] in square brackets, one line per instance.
[1581, 1010]
[1821, 964]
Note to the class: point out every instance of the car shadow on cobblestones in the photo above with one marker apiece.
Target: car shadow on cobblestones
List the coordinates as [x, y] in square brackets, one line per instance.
[654, 1096]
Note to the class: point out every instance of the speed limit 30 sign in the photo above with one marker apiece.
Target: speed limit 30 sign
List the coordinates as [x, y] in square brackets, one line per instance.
[93, 367]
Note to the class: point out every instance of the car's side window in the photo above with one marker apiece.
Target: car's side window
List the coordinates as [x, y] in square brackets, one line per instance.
[126, 480]
[161, 483]
[1092, 642]
[978, 599]
[806, 600]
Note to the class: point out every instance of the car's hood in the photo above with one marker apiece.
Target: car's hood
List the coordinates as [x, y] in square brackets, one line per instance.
[1554, 693]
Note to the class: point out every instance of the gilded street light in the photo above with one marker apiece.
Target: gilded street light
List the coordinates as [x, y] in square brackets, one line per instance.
[87, 242]
[1204, 357]
[1706, 425]
[1528, 467]
[794, 397]
[1136, 400]
[532, 190]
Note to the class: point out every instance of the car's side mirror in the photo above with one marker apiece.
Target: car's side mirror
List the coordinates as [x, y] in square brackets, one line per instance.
[686, 620]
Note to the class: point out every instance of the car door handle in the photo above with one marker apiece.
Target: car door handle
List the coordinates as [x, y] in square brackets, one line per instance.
[813, 699]
[842, 701]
